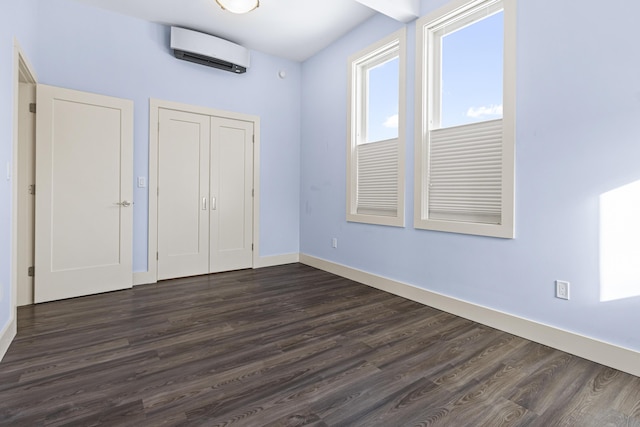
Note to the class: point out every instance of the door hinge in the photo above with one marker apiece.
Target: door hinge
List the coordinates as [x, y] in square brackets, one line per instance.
[253, 137]
[252, 246]
[32, 107]
[31, 271]
[157, 256]
[32, 189]
[253, 192]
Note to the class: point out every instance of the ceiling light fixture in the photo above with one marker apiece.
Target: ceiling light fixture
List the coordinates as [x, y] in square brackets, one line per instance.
[238, 6]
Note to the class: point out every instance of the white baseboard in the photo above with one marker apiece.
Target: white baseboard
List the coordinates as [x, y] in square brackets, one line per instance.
[607, 354]
[7, 335]
[143, 278]
[270, 261]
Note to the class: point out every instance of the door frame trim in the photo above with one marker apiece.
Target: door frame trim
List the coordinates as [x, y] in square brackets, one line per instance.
[22, 70]
[151, 275]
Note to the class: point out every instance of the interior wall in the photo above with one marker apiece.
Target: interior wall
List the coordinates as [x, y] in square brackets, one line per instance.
[94, 50]
[17, 20]
[578, 133]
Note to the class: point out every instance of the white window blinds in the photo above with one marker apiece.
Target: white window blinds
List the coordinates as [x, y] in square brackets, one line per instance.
[377, 187]
[464, 179]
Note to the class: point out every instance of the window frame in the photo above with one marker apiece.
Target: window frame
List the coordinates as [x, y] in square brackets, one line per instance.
[375, 54]
[424, 108]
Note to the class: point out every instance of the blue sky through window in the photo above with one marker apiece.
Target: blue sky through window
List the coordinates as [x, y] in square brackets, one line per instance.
[383, 97]
[472, 80]
[472, 71]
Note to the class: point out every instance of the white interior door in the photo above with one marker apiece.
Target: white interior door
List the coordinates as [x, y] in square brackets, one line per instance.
[84, 182]
[231, 195]
[183, 194]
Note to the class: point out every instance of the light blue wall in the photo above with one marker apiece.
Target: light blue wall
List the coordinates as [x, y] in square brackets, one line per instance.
[98, 51]
[578, 136]
[17, 20]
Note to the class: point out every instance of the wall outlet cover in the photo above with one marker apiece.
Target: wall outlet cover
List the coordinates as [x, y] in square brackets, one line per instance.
[562, 289]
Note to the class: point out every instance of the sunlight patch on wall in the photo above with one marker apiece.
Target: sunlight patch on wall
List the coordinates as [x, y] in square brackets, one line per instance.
[620, 243]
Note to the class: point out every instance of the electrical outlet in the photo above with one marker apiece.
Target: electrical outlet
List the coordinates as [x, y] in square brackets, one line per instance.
[562, 289]
[334, 242]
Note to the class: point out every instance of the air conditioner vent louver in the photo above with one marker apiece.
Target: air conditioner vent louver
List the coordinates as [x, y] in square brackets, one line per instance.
[209, 62]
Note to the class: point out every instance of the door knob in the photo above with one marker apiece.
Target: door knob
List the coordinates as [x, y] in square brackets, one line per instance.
[124, 203]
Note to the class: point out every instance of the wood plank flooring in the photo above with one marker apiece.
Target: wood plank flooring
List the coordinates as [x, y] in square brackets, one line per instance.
[290, 346]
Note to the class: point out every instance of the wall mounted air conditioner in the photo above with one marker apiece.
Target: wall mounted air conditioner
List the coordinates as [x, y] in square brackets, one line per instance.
[208, 50]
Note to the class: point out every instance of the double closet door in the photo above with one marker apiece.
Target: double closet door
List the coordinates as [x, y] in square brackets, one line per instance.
[205, 200]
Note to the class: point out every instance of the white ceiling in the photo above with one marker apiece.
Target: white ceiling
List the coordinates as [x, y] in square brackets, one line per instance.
[292, 29]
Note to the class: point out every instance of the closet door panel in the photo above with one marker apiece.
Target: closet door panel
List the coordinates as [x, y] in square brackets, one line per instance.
[231, 194]
[183, 194]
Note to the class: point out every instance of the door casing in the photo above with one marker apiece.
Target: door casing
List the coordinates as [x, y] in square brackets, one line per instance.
[26, 177]
[24, 74]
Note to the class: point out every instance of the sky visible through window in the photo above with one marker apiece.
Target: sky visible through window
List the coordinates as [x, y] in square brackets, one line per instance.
[383, 97]
[472, 69]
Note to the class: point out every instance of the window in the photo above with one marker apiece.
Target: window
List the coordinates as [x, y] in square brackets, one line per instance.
[375, 146]
[466, 119]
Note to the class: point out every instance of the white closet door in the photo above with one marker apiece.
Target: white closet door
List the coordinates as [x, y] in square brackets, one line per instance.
[231, 194]
[84, 182]
[183, 194]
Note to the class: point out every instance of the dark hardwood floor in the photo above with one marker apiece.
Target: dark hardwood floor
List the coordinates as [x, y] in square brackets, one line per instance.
[290, 346]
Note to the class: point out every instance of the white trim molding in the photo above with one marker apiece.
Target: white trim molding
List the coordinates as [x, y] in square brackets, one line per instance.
[22, 71]
[273, 260]
[607, 354]
[147, 278]
[7, 335]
